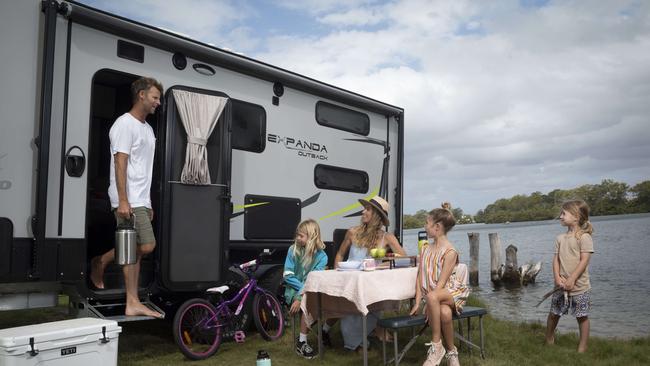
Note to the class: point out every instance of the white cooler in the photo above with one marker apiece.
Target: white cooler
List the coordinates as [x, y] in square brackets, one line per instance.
[82, 342]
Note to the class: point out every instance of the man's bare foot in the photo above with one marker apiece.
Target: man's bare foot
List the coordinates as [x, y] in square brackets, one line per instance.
[139, 309]
[97, 272]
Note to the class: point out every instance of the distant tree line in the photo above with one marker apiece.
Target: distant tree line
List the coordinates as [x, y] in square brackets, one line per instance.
[419, 218]
[607, 198]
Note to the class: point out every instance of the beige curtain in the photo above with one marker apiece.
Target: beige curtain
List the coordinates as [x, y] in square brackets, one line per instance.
[199, 114]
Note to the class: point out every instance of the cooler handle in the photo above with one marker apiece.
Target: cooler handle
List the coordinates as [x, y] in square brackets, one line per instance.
[104, 340]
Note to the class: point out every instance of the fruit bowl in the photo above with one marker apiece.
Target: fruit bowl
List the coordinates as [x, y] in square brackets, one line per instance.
[350, 265]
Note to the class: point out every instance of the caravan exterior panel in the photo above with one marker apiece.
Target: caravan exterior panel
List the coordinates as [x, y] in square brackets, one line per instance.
[19, 97]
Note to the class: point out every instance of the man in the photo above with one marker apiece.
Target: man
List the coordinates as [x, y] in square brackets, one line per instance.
[133, 146]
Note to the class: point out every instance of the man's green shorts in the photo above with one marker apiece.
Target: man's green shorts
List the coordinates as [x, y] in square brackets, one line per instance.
[142, 224]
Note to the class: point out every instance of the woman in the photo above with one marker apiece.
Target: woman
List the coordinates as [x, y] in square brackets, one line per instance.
[358, 242]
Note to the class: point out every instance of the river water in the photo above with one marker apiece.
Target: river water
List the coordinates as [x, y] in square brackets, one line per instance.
[619, 271]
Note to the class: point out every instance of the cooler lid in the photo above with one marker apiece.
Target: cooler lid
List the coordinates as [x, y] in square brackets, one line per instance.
[44, 332]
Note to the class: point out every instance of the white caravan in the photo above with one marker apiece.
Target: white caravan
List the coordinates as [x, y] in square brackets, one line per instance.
[285, 148]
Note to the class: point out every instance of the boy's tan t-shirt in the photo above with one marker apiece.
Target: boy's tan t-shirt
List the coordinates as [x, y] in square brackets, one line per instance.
[568, 249]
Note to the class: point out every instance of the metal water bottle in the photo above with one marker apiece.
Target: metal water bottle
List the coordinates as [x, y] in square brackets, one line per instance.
[125, 243]
[263, 358]
[422, 240]
[421, 243]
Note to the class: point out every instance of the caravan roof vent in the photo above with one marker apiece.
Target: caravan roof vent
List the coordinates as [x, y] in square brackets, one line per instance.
[130, 51]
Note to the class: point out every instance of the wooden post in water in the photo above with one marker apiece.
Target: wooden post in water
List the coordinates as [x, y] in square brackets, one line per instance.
[511, 273]
[473, 258]
[495, 257]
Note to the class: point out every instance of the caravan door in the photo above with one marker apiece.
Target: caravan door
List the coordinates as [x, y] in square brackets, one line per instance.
[195, 227]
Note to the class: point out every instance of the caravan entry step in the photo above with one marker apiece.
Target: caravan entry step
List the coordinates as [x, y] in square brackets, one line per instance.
[111, 310]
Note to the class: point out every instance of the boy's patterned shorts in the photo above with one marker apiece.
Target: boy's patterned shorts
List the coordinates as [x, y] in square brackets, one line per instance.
[580, 305]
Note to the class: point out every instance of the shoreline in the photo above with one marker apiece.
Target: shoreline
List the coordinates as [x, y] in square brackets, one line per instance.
[536, 222]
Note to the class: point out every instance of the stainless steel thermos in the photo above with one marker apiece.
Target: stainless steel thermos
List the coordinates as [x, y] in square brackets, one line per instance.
[125, 243]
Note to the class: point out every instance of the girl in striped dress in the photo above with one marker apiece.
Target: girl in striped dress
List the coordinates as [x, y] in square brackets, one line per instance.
[443, 282]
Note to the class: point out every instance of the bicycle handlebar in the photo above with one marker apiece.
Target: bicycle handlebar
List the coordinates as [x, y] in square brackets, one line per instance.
[248, 264]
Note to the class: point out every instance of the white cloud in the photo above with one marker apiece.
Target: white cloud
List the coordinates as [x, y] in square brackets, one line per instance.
[315, 7]
[353, 17]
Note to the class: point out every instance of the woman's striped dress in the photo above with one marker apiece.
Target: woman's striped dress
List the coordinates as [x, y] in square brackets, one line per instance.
[431, 262]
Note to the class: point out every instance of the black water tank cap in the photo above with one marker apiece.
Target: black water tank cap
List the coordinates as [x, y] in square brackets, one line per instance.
[278, 89]
[179, 61]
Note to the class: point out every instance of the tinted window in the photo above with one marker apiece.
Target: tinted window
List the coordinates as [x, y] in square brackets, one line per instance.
[340, 179]
[248, 126]
[331, 115]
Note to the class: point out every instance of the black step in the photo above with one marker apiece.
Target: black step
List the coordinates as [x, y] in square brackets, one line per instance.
[132, 318]
[115, 311]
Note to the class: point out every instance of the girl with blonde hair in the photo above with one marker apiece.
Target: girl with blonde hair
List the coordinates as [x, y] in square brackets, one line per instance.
[305, 255]
[571, 271]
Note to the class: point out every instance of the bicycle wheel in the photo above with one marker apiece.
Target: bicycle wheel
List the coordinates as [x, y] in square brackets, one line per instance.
[197, 329]
[267, 314]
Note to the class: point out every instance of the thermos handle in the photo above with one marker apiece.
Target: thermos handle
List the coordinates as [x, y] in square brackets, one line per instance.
[133, 221]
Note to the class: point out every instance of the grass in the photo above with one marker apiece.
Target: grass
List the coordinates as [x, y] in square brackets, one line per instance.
[507, 343]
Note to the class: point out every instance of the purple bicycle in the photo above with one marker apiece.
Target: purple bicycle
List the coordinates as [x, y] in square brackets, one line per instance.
[200, 326]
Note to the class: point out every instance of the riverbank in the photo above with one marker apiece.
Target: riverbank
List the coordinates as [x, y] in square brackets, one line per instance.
[508, 343]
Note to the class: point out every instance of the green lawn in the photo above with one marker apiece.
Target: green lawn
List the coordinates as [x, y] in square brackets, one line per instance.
[507, 343]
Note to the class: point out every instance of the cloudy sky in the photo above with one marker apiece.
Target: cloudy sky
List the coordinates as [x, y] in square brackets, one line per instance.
[500, 97]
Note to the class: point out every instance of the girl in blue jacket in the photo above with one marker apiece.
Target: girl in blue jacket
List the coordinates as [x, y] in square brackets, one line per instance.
[305, 255]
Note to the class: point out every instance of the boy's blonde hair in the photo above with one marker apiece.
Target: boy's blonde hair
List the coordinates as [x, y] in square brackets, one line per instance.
[580, 210]
[368, 234]
[314, 242]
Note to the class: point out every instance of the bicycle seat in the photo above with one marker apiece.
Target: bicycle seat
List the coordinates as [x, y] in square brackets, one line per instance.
[220, 289]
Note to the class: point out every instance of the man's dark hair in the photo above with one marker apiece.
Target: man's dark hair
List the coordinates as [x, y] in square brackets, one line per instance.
[144, 83]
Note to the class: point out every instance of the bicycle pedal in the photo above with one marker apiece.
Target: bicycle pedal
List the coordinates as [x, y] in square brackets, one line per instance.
[240, 336]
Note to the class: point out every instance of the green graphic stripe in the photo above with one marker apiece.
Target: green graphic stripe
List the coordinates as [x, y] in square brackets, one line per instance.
[351, 207]
[243, 207]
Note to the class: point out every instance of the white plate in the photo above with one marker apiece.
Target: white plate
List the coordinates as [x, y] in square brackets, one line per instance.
[350, 265]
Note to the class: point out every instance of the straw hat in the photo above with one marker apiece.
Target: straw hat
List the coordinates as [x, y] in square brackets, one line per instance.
[380, 205]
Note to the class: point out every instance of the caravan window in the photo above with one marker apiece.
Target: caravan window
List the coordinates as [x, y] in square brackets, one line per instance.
[248, 126]
[334, 116]
[340, 179]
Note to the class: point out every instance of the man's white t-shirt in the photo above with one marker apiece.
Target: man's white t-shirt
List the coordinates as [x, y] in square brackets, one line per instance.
[130, 136]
